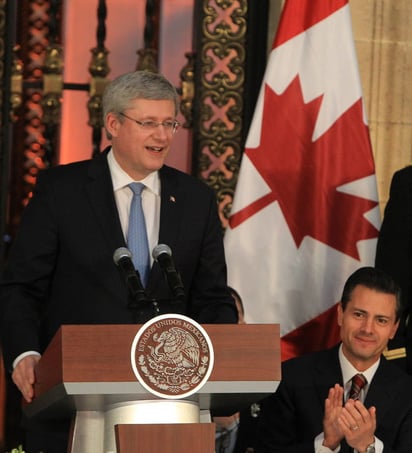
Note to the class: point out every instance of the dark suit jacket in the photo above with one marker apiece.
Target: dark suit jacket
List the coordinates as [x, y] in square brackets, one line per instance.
[394, 250]
[292, 417]
[61, 268]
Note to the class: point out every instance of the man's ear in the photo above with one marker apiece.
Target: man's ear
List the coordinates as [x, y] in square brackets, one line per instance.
[340, 314]
[394, 329]
[112, 124]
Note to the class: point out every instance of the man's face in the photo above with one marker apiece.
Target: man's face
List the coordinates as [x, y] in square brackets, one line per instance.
[366, 325]
[140, 151]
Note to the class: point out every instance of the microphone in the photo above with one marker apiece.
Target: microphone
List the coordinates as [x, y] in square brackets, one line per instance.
[163, 255]
[122, 257]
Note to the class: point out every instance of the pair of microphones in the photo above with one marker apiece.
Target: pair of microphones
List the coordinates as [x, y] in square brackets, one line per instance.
[162, 253]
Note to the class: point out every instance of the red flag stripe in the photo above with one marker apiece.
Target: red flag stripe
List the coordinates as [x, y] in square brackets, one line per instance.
[318, 333]
[296, 19]
[244, 214]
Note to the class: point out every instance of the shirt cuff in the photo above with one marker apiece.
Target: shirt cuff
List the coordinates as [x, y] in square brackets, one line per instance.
[23, 355]
[319, 448]
[378, 445]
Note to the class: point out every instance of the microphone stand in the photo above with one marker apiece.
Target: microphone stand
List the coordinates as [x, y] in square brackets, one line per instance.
[136, 304]
[138, 300]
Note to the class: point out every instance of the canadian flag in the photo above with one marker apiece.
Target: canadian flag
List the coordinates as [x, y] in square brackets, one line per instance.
[305, 213]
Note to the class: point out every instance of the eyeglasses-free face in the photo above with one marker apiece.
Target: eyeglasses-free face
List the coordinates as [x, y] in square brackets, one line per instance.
[150, 125]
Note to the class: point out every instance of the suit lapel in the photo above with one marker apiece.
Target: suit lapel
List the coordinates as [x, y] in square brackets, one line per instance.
[171, 212]
[328, 371]
[171, 208]
[99, 190]
[382, 390]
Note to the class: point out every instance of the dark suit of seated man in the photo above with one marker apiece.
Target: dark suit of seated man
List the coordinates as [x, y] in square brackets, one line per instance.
[311, 412]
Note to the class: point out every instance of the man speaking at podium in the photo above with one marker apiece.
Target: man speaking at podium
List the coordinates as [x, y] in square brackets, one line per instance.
[61, 268]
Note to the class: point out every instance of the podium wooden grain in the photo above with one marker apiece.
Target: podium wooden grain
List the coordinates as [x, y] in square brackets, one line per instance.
[166, 438]
[87, 367]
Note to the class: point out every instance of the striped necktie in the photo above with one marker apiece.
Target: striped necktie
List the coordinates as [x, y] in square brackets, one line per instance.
[358, 382]
[137, 235]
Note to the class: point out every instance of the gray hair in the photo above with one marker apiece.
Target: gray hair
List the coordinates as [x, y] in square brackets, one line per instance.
[137, 85]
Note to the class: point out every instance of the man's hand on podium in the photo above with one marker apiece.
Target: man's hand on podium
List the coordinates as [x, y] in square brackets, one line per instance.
[24, 376]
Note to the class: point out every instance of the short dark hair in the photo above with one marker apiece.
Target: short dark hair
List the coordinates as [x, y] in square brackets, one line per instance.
[372, 278]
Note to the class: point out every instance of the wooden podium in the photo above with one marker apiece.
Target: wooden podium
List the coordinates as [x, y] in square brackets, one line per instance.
[86, 371]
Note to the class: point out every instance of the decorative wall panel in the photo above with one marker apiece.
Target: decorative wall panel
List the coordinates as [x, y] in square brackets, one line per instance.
[230, 49]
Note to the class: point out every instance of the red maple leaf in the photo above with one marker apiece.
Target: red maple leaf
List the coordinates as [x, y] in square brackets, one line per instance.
[303, 175]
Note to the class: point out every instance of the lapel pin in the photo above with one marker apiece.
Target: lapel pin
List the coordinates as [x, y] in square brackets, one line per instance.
[172, 199]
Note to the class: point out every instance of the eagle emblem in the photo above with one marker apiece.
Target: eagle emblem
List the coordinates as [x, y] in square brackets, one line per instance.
[172, 355]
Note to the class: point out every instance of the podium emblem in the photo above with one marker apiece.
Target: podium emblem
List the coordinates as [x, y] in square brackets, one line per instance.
[172, 356]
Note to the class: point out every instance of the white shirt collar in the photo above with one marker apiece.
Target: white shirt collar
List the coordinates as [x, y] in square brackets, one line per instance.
[348, 370]
[121, 179]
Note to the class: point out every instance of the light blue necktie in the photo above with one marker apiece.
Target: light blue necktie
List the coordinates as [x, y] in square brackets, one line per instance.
[137, 235]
